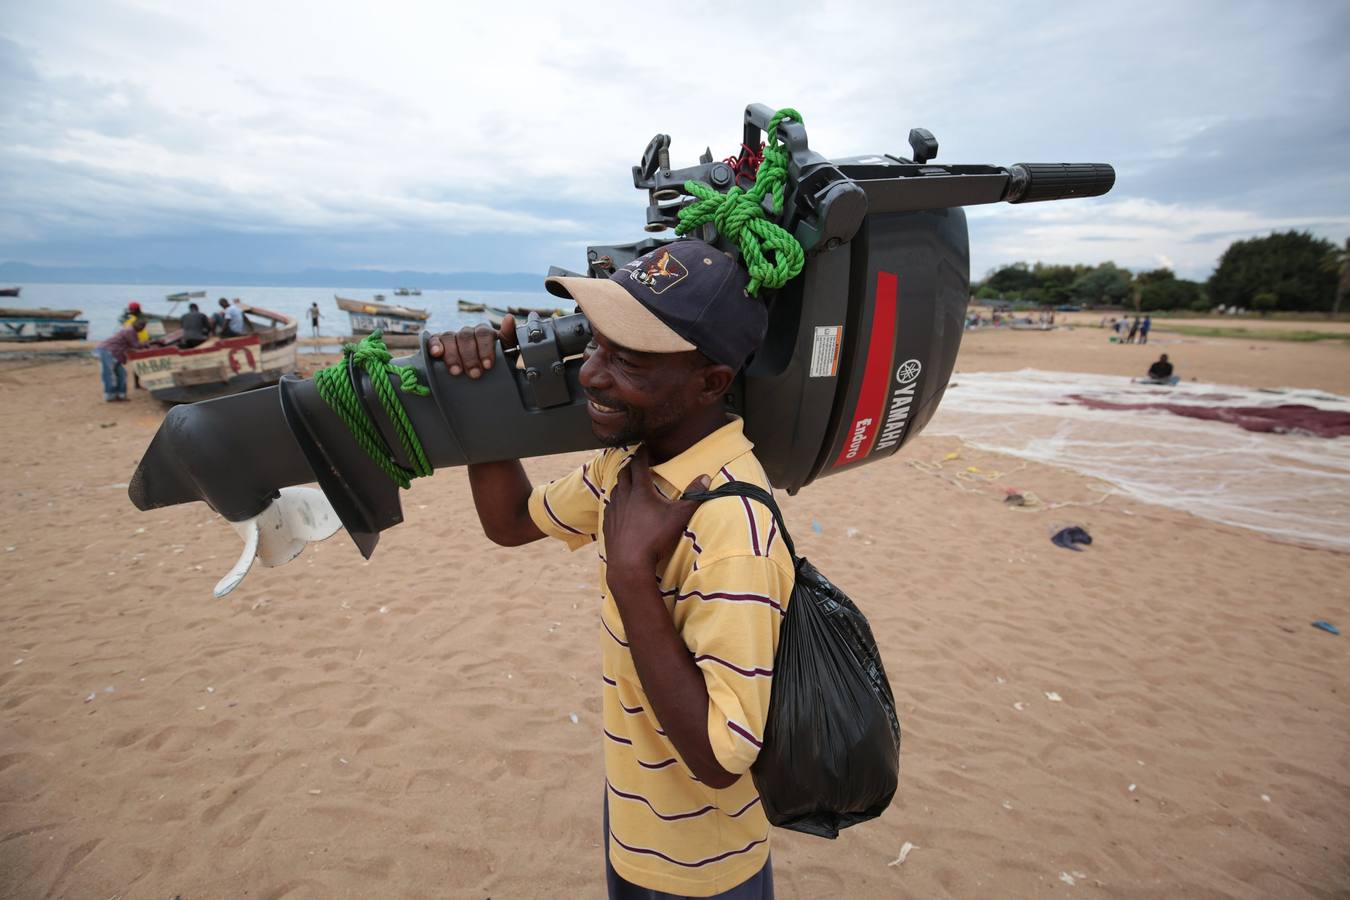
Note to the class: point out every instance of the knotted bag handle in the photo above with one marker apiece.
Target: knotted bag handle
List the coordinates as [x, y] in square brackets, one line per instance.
[754, 492]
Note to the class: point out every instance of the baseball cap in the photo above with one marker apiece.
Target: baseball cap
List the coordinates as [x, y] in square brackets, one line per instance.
[685, 295]
[133, 306]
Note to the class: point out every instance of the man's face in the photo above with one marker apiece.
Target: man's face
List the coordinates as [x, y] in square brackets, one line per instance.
[636, 396]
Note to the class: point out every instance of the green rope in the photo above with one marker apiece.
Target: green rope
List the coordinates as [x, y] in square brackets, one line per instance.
[772, 256]
[335, 387]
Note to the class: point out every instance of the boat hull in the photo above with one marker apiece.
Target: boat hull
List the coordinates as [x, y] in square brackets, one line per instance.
[215, 369]
[363, 324]
[26, 328]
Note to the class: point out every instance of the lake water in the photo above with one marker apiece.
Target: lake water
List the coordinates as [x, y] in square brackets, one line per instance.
[101, 303]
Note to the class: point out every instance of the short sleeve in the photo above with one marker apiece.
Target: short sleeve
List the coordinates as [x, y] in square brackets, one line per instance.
[729, 615]
[569, 508]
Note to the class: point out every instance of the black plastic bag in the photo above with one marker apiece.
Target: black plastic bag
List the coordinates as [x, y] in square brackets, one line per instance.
[831, 754]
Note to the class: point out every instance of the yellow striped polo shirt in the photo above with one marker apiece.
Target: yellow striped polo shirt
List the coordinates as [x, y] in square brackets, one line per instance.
[727, 586]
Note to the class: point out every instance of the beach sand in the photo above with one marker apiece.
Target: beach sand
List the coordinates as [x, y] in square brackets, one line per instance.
[1152, 717]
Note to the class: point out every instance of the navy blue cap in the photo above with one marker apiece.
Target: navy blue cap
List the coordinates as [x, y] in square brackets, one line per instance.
[686, 295]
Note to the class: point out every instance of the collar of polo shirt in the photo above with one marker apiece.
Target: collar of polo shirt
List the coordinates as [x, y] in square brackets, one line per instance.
[704, 458]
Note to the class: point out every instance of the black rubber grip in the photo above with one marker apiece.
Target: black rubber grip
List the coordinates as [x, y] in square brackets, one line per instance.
[1030, 182]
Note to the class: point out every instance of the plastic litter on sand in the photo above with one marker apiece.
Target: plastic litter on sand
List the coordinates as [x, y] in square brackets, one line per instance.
[905, 849]
[1293, 486]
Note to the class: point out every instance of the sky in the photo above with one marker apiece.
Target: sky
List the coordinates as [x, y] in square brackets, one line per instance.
[279, 136]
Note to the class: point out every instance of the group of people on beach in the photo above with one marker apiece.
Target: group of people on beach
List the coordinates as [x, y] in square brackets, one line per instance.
[133, 334]
[1127, 332]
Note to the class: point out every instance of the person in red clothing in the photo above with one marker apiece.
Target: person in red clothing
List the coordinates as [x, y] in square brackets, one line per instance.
[112, 356]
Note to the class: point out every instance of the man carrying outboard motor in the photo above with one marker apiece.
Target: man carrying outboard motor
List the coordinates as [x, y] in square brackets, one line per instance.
[693, 595]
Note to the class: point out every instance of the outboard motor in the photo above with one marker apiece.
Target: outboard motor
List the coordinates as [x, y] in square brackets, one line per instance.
[858, 353]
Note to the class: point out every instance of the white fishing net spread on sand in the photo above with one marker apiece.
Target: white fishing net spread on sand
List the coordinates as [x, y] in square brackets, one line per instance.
[1187, 446]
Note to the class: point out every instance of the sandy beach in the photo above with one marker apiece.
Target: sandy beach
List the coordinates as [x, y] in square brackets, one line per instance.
[1151, 717]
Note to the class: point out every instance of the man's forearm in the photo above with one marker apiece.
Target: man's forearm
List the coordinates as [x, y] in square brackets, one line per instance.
[673, 683]
[501, 494]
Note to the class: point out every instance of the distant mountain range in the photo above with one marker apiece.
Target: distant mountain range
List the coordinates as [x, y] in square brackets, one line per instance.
[25, 273]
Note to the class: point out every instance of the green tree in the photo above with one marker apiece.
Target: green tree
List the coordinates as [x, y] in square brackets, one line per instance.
[1337, 261]
[1265, 301]
[1011, 280]
[1104, 284]
[1055, 282]
[1162, 289]
[1288, 264]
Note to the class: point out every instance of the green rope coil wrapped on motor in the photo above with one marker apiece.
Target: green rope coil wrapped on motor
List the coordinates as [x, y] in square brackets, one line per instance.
[772, 256]
[335, 387]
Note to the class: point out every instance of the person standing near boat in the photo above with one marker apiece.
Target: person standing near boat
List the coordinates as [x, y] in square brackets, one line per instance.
[112, 356]
[131, 314]
[314, 318]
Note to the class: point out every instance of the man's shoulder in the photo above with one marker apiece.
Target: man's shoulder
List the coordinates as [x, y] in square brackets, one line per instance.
[735, 526]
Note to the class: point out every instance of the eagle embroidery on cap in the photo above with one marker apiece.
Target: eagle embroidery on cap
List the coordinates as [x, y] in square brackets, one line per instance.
[658, 271]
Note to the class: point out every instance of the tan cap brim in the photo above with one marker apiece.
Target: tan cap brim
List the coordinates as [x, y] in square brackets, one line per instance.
[618, 315]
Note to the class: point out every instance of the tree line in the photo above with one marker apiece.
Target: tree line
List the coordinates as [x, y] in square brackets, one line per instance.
[1288, 271]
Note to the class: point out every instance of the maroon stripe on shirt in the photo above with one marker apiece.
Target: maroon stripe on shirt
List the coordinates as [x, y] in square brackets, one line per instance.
[659, 765]
[587, 481]
[554, 516]
[748, 673]
[688, 865]
[693, 541]
[622, 642]
[616, 739]
[732, 598]
[744, 733]
[749, 514]
[671, 818]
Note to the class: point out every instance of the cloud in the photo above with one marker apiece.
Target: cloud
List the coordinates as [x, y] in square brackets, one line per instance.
[424, 126]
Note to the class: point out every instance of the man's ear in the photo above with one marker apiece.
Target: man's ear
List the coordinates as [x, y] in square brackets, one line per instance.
[715, 382]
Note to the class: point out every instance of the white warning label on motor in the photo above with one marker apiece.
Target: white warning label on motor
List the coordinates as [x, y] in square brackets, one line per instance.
[825, 351]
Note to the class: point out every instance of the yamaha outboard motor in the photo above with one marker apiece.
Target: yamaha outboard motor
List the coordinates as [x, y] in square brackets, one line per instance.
[859, 350]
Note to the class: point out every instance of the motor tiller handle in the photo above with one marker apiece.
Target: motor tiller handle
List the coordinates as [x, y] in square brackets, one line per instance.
[1031, 182]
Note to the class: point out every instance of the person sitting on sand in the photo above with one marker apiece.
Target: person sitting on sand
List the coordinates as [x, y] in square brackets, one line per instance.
[196, 327]
[1161, 371]
[692, 595]
[112, 357]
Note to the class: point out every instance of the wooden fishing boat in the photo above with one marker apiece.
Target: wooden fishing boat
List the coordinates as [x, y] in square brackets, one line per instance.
[495, 314]
[185, 296]
[42, 325]
[10, 292]
[408, 292]
[400, 326]
[466, 306]
[523, 312]
[220, 366]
